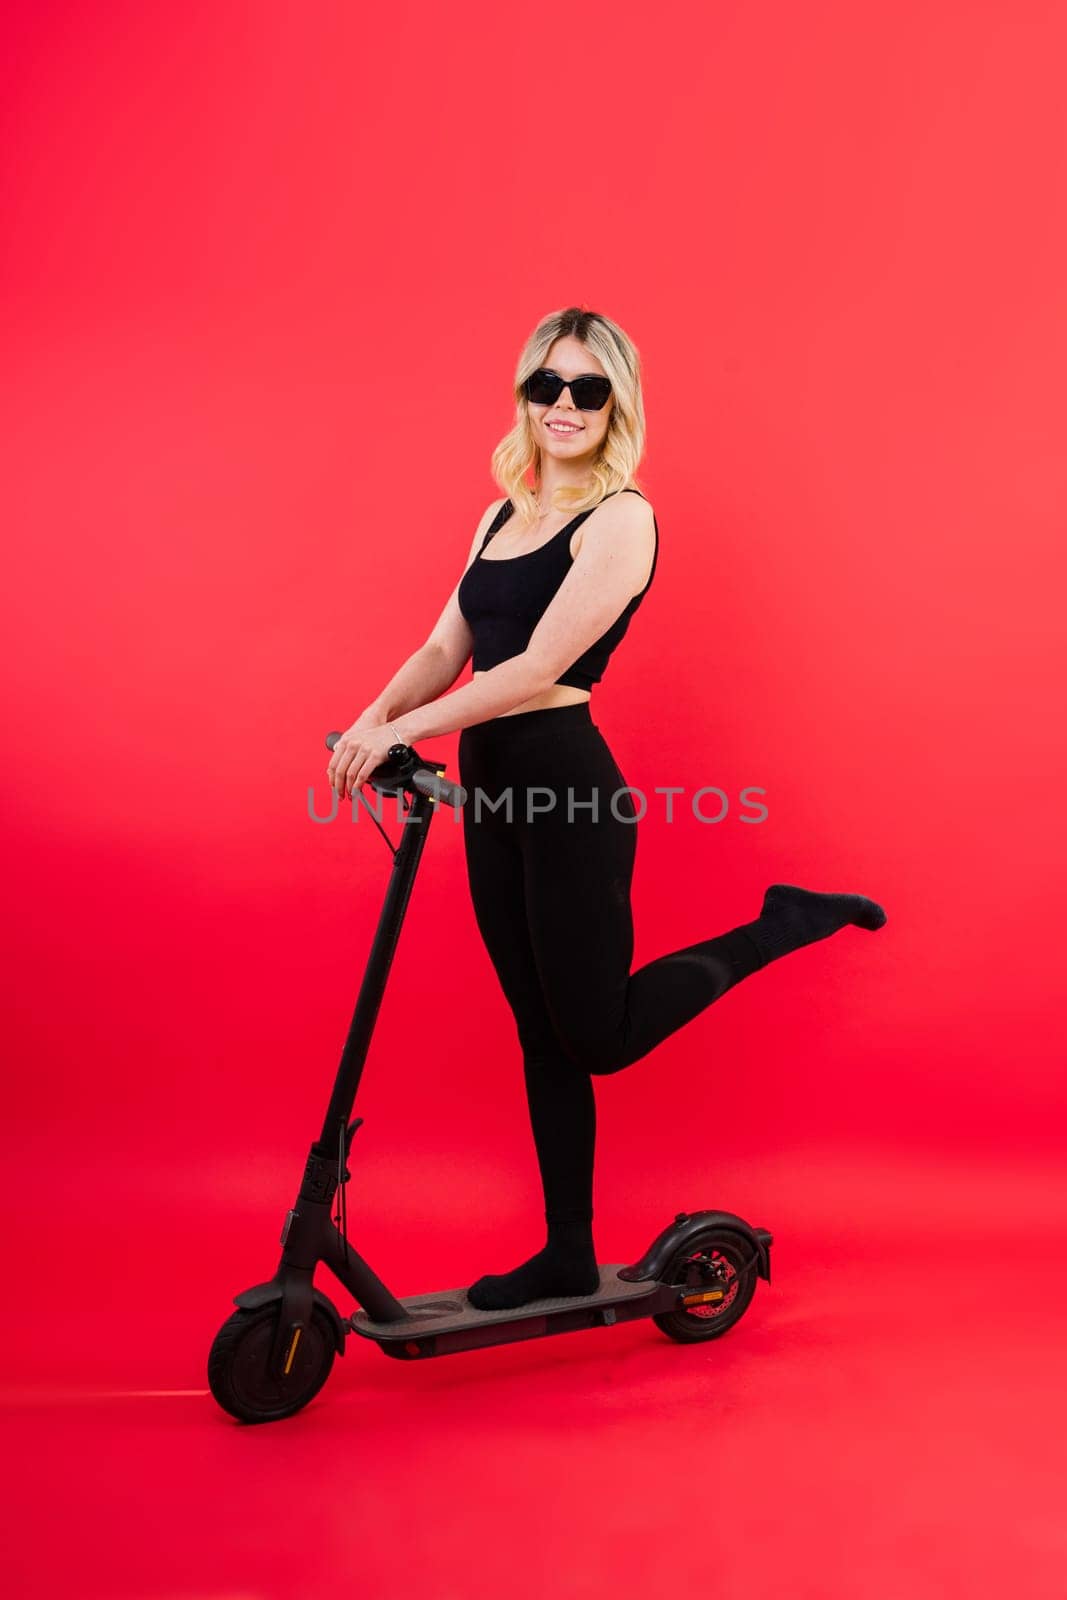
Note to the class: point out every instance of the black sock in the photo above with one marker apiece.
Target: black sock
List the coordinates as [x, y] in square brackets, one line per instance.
[566, 1266]
[793, 917]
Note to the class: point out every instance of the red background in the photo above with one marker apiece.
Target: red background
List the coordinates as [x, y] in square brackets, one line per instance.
[265, 276]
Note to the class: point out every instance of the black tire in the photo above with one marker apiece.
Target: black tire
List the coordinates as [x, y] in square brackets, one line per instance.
[719, 1256]
[237, 1366]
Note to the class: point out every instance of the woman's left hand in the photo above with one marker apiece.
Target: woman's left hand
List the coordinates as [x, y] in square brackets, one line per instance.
[356, 754]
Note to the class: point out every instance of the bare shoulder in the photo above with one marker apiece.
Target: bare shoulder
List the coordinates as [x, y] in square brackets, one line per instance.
[625, 518]
[625, 510]
[622, 529]
[490, 512]
[639, 505]
[483, 527]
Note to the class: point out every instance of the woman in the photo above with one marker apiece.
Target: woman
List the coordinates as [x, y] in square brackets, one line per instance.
[571, 557]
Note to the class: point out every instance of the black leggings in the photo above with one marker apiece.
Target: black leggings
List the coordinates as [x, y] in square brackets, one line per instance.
[551, 897]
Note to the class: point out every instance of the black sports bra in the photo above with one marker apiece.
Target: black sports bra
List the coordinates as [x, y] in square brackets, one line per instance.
[503, 601]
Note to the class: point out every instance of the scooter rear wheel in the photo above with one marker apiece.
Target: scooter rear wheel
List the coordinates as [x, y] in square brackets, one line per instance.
[715, 1256]
[237, 1369]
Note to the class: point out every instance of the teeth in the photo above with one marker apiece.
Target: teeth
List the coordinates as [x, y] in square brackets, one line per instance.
[563, 427]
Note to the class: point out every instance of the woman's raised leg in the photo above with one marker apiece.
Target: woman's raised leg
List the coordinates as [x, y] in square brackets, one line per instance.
[578, 872]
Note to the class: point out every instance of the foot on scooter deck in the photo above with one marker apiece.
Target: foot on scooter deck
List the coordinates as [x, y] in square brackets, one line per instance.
[450, 1311]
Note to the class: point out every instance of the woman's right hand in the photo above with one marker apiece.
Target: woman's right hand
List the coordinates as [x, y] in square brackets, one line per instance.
[372, 717]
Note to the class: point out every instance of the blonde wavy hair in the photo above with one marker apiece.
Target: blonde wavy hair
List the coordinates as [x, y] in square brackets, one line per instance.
[623, 445]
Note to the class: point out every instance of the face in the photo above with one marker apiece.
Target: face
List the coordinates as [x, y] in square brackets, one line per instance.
[570, 358]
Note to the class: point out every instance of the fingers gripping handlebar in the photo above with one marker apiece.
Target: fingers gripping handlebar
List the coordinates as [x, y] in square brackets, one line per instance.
[404, 768]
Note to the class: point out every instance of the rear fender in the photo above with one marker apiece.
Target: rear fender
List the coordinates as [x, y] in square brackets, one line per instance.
[686, 1226]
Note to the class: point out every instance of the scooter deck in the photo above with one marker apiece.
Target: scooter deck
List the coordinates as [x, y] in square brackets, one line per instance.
[451, 1311]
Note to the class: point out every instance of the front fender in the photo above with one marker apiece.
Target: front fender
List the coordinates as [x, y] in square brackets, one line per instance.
[686, 1226]
[263, 1294]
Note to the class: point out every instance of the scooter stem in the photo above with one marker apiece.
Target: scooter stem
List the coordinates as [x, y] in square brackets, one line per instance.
[379, 962]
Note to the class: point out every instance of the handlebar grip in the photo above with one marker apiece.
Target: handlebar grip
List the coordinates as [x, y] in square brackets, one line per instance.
[423, 778]
[430, 783]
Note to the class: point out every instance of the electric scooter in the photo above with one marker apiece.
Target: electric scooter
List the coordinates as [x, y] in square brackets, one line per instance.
[275, 1352]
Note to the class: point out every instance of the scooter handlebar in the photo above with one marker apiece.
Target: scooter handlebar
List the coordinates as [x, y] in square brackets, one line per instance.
[415, 773]
[428, 781]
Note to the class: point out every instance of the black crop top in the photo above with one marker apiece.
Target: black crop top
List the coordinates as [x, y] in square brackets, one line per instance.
[503, 601]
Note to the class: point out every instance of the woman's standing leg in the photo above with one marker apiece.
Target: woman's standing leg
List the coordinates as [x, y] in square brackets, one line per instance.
[559, 1095]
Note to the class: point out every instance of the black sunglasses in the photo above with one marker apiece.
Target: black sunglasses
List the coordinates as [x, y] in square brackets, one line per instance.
[590, 392]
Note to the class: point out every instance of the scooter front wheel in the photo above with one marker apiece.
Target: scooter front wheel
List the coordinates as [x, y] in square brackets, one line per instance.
[716, 1258]
[238, 1372]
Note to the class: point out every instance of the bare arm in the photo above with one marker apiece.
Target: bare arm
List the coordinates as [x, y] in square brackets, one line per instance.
[500, 689]
[611, 566]
[425, 674]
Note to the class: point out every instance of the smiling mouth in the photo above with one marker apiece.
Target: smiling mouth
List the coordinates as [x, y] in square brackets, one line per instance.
[563, 427]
